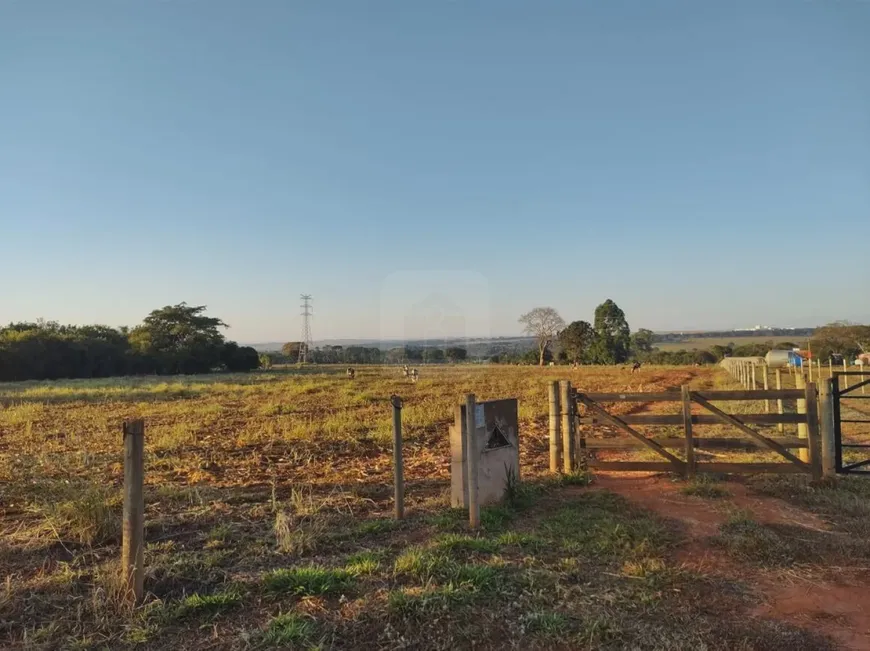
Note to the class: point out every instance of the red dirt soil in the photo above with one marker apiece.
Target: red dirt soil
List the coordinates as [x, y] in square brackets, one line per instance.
[837, 605]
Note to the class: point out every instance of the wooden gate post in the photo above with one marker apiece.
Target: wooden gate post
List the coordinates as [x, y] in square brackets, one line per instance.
[863, 386]
[753, 380]
[800, 383]
[133, 529]
[687, 426]
[567, 429]
[814, 448]
[398, 463]
[471, 461]
[555, 438]
[826, 418]
[780, 426]
[766, 387]
[845, 377]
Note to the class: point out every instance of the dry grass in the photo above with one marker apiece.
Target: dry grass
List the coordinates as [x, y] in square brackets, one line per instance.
[268, 501]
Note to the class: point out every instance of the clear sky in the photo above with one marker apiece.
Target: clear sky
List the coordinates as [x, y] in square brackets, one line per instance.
[704, 164]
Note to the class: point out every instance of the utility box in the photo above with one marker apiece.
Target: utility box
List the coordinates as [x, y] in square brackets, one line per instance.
[498, 449]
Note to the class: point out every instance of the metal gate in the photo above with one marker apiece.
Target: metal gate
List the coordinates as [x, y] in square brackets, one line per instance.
[850, 413]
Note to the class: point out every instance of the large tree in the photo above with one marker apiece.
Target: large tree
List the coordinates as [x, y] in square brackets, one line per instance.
[456, 354]
[642, 341]
[576, 340]
[841, 338]
[180, 339]
[544, 324]
[613, 340]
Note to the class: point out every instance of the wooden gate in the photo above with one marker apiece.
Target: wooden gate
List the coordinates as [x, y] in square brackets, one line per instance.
[847, 392]
[807, 460]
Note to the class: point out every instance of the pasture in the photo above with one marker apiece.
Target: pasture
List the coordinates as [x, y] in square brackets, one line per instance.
[268, 503]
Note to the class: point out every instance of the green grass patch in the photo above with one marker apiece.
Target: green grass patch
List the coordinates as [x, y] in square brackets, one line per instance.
[420, 603]
[603, 524]
[289, 629]
[705, 486]
[308, 581]
[546, 623]
[212, 604]
[379, 526]
[451, 542]
[576, 478]
[523, 540]
[363, 563]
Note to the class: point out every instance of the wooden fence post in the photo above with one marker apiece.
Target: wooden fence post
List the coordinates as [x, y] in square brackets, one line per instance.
[687, 426]
[567, 429]
[133, 529]
[780, 426]
[753, 380]
[398, 463]
[766, 386]
[810, 370]
[814, 448]
[863, 386]
[800, 383]
[826, 418]
[555, 438]
[830, 367]
[471, 461]
[845, 377]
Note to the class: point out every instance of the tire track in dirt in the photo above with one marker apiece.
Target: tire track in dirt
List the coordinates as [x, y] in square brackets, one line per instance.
[833, 601]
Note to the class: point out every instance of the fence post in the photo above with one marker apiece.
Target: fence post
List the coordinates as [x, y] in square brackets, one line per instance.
[555, 438]
[398, 463]
[830, 367]
[766, 386]
[863, 386]
[754, 378]
[133, 528]
[814, 444]
[567, 430]
[826, 418]
[810, 369]
[471, 461]
[845, 377]
[800, 383]
[687, 426]
[780, 426]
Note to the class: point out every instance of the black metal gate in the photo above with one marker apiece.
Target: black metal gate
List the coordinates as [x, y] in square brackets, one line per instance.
[850, 413]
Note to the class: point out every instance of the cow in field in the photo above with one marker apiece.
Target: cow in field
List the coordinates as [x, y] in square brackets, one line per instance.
[351, 373]
[635, 367]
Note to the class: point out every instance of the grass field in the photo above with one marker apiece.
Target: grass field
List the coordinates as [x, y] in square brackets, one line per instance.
[702, 343]
[268, 499]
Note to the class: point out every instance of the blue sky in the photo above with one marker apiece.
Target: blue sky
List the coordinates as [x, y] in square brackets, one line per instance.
[704, 164]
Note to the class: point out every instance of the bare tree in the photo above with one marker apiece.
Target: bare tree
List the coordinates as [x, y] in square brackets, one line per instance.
[544, 324]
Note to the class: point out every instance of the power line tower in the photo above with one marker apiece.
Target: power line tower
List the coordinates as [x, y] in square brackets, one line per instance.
[305, 344]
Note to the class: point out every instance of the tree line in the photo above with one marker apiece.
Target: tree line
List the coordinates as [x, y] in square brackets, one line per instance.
[368, 355]
[175, 339]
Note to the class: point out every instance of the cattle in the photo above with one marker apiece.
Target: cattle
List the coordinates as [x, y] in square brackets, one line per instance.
[415, 375]
[406, 372]
[351, 373]
[635, 367]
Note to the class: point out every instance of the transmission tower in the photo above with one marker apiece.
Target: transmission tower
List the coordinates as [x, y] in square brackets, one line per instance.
[306, 343]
